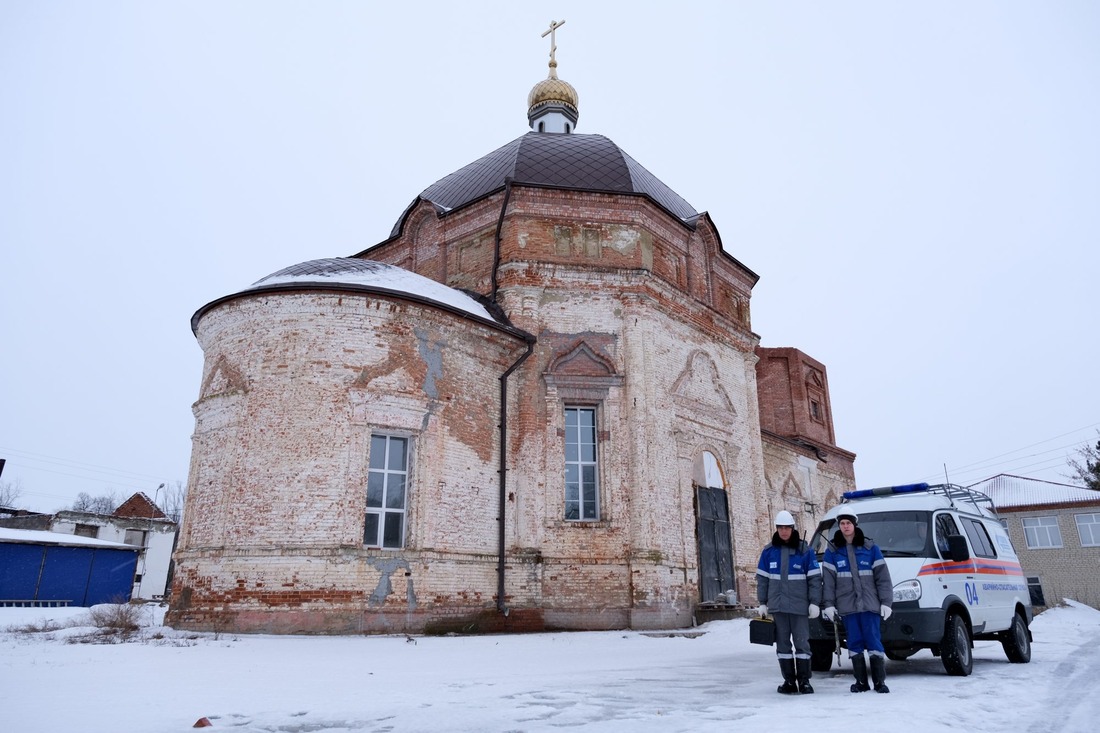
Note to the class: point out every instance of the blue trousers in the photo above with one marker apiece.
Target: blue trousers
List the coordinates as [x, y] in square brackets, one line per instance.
[864, 632]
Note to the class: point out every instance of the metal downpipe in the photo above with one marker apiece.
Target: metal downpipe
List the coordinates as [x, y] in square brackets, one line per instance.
[503, 472]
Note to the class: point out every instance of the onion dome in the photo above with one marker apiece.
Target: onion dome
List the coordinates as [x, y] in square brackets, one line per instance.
[553, 95]
[544, 159]
[552, 105]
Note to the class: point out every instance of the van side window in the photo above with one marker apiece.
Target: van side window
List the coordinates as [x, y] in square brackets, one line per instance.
[822, 539]
[979, 538]
[945, 526]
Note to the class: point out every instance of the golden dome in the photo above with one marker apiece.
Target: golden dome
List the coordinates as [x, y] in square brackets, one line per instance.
[552, 90]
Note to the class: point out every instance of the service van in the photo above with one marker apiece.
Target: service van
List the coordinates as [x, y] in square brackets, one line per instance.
[955, 573]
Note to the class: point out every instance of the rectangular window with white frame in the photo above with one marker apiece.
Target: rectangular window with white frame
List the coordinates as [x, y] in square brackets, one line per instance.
[1042, 533]
[1088, 528]
[582, 496]
[387, 492]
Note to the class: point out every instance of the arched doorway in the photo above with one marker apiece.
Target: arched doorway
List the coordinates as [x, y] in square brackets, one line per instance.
[712, 528]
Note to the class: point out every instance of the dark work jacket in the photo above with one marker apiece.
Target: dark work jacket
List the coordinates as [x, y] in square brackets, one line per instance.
[788, 578]
[856, 577]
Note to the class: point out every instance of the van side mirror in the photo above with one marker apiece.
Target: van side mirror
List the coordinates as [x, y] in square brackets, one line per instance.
[956, 548]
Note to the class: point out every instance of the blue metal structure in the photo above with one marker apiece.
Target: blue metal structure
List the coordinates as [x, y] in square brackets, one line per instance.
[47, 568]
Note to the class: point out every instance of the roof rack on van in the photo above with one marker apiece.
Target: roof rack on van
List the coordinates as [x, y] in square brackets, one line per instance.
[982, 503]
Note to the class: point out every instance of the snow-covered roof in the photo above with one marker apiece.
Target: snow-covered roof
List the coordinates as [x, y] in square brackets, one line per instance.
[352, 271]
[1009, 491]
[42, 537]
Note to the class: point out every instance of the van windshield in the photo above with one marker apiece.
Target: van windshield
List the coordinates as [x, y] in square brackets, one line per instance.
[897, 534]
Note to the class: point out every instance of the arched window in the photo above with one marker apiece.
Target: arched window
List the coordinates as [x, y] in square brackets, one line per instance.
[707, 472]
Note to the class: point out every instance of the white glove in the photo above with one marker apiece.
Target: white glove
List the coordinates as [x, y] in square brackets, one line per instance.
[762, 611]
[814, 611]
[829, 613]
[885, 611]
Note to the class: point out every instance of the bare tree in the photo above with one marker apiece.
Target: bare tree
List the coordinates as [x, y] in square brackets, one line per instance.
[1086, 468]
[102, 504]
[173, 500]
[10, 491]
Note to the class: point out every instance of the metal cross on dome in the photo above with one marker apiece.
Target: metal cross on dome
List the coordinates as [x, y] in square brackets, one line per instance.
[554, 25]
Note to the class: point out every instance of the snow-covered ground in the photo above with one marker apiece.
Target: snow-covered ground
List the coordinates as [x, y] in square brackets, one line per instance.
[167, 680]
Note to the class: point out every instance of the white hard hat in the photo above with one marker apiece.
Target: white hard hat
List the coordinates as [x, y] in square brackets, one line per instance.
[784, 519]
[848, 514]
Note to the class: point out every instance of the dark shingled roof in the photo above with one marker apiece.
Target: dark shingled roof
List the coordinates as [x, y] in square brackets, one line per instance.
[576, 162]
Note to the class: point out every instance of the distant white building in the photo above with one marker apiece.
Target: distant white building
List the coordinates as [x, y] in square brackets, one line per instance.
[138, 522]
[1056, 531]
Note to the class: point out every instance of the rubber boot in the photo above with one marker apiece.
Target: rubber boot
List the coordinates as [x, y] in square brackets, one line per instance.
[788, 687]
[878, 673]
[804, 675]
[859, 669]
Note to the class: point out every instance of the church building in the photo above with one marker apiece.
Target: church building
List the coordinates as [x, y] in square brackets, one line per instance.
[539, 404]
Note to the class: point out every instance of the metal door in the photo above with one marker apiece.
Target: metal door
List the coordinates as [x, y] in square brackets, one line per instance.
[712, 527]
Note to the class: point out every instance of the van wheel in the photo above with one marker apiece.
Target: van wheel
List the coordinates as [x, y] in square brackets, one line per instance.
[1016, 642]
[821, 655]
[955, 652]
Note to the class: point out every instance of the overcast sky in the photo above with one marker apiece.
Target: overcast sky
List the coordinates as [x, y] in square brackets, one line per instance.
[917, 185]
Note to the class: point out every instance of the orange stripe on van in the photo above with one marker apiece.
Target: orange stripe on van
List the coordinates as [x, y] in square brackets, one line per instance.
[980, 565]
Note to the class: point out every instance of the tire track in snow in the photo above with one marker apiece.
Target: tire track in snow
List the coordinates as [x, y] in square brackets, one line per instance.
[1071, 702]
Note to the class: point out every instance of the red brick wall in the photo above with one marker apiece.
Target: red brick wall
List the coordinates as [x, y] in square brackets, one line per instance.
[792, 384]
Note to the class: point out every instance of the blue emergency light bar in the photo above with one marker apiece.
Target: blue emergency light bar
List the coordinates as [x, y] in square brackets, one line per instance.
[886, 491]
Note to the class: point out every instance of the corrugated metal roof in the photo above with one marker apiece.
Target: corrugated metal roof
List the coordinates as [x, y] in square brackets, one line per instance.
[1008, 491]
